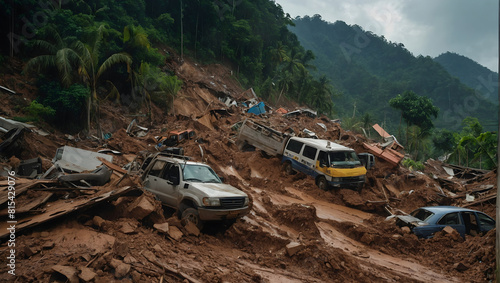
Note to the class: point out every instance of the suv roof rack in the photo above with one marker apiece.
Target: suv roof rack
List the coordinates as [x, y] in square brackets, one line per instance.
[169, 154]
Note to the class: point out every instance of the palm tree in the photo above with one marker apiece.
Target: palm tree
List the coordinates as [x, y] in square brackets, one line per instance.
[91, 71]
[58, 55]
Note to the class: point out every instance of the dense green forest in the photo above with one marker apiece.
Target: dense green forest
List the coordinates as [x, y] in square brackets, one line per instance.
[369, 70]
[87, 52]
[472, 74]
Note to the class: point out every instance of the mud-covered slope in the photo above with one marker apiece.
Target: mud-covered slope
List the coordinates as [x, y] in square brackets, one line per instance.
[294, 232]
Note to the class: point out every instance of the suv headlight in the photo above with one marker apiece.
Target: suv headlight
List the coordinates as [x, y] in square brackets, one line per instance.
[211, 202]
[246, 201]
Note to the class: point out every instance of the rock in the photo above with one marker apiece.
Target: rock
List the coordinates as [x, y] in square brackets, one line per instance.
[192, 229]
[158, 249]
[293, 247]
[175, 233]
[452, 233]
[68, 271]
[86, 274]
[406, 229]
[121, 248]
[460, 266]
[99, 222]
[44, 234]
[162, 228]
[367, 239]
[449, 230]
[141, 207]
[129, 259]
[127, 228]
[121, 268]
[397, 236]
[29, 251]
[48, 245]
[136, 276]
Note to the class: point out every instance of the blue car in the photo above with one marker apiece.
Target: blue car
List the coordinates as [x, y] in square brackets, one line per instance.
[426, 221]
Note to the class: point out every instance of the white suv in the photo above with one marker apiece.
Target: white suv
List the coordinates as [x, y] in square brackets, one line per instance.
[194, 189]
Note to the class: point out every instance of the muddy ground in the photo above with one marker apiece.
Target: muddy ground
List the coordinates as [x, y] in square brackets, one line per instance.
[294, 232]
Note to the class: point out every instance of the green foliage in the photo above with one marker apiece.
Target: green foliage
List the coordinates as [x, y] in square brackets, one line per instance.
[444, 141]
[416, 110]
[68, 103]
[475, 148]
[413, 165]
[37, 111]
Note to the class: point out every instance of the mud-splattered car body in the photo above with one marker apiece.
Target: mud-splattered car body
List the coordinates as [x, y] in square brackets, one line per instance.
[426, 221]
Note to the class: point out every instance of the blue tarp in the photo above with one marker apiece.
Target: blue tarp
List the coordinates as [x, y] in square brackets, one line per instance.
[258, 109]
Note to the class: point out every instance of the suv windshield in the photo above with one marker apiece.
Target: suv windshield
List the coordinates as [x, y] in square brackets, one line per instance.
[344, 159]
[199, 173]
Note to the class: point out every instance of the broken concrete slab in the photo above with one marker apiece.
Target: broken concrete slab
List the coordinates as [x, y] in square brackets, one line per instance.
[68, 271]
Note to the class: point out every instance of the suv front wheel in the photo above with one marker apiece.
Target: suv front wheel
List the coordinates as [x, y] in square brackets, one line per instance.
[191, 214]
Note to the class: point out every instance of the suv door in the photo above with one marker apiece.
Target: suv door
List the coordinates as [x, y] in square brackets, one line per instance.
[157, 182]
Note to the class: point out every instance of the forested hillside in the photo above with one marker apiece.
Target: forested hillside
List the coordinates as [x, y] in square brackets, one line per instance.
[251, 36]
[369, 70]
[471, 73]
[84, 53]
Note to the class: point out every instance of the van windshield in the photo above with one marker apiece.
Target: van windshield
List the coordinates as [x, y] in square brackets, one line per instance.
[344, 159]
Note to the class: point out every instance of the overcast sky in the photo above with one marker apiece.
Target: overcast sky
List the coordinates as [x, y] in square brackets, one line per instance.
[425, 27]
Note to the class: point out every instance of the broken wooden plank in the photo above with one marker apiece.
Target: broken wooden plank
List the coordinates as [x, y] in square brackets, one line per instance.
[112, 165]
[481, 200]
[57, 209]
[30, 205]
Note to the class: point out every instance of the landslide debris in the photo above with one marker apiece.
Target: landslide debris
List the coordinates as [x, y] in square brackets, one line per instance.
[294, 232]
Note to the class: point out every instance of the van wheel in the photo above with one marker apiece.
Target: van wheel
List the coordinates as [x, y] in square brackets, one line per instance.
[191, 214]
[287, 167]
[322, 183]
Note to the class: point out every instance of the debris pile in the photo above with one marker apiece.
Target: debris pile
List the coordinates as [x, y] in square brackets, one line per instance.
[96, 224]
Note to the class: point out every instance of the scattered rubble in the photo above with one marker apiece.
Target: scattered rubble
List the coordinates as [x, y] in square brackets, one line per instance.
[67, 230]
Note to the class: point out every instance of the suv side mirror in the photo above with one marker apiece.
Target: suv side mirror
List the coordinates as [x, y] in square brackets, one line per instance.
[175, 180]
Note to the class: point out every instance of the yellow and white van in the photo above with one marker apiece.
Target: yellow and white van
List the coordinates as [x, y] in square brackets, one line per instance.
[331, 164]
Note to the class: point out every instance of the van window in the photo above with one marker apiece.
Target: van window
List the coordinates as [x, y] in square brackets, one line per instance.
[309, 152]
[323, 159]
[294, 146]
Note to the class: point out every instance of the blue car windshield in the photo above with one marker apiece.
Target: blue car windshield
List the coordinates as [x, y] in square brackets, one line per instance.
[199, 173]
[422, 214]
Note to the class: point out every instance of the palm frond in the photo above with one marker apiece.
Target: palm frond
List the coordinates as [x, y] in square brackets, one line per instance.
[114, 59]
[39, 63]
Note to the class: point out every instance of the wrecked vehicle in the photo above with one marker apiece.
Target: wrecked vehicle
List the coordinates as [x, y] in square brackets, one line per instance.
[330, 164]
[194, 189]
[426, 221]
[175, 137]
